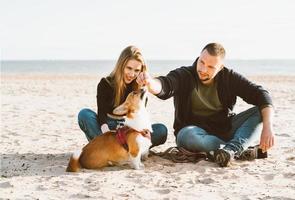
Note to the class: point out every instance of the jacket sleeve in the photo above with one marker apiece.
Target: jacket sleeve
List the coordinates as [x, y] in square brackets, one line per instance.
[171, 83]
[249, 91]
[104, 99]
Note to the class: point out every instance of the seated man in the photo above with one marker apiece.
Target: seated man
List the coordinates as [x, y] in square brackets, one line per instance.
[204, 96]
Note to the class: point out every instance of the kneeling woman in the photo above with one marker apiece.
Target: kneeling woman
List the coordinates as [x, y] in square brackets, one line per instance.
[111, 92]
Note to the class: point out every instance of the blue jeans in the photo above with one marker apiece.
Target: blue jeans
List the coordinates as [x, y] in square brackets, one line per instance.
[88, 123]
[246, 129]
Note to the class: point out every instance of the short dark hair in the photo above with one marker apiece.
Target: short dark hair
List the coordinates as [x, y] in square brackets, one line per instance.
[215, 49]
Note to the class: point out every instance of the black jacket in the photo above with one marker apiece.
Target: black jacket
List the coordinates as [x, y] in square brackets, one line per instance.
[105, 98]
[180, 83]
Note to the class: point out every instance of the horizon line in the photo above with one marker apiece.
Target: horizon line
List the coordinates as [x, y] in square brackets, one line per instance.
[230, 59]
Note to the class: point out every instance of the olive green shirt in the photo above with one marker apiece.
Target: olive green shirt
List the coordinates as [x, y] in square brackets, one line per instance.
[205, 101]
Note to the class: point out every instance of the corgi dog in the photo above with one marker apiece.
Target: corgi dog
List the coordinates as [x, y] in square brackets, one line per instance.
[105, 150]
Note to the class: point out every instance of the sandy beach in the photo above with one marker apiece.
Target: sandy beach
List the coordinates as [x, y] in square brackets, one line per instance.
[39, 131]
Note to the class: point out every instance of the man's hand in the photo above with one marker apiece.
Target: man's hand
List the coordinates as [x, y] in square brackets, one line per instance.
[143, 79]
[154, 85]
[267, 136]
[266, 139]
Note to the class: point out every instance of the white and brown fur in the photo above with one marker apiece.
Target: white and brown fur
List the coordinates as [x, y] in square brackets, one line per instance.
[105, 150]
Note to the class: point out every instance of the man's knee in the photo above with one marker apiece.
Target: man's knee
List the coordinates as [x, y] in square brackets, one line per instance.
[160, 134]
[194, 138]
[186, 135]
[163, 131]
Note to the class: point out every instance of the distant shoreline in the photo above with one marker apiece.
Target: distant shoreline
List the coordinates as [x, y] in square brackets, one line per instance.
[245, 67]
[114, 60]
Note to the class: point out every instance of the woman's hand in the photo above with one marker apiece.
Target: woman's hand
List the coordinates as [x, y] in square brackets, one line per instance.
[104, 128]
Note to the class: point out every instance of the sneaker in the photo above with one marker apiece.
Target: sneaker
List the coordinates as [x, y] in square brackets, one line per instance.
[210, 156]
[223, 157]
[252, 153]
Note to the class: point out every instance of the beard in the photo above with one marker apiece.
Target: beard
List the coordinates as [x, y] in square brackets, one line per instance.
[205, 78]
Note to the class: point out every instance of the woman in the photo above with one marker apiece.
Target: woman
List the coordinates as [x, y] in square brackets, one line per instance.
[111, 92]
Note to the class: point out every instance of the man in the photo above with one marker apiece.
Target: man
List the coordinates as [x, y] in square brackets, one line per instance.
[204, 96]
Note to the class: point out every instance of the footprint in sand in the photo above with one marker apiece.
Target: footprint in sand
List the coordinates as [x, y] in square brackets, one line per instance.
[269, 177]
[164, 191]
[289, 175]
[201, 170]
[5, 185]
[91, 184]
[79, 196]
[284, 135]
[216, 171]
[206, 181]
[13, 133]
[134, 174]
[290, 151]
[292, 158]
[41, 188]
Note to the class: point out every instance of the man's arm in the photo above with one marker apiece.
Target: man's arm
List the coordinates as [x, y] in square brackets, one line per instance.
[250, 92]
[267, 136]
[256, 95]
[154, 85]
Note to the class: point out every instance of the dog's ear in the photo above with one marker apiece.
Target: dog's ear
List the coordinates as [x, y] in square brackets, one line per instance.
[130, 113]
[121, 110]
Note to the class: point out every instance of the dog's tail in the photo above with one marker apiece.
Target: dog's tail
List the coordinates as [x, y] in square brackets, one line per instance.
[74, 164]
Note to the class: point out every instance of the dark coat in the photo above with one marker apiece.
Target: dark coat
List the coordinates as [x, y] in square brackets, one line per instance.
[105, 98]
[180, 83]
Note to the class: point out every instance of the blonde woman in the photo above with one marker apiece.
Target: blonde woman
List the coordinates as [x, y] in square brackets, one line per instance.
[111, 92]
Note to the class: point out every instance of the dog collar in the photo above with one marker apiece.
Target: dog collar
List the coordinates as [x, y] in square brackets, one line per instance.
[121, 136]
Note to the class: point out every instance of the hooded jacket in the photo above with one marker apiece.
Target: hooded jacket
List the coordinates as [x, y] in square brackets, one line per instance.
[180, 83]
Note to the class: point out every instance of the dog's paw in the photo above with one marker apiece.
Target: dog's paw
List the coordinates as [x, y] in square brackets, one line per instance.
[137, 166]
[141, 165]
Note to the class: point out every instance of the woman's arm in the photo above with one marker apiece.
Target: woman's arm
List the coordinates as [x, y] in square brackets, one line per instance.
[104, 99]
[104, 128]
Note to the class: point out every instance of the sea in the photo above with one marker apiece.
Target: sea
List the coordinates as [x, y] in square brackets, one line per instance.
[160, 67]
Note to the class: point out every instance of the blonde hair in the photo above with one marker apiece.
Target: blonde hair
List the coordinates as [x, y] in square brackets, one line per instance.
[117, 75]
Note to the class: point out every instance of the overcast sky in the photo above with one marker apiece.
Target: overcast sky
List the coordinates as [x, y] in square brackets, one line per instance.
[163, 29]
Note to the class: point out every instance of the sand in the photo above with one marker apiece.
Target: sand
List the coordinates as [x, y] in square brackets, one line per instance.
[39, 131]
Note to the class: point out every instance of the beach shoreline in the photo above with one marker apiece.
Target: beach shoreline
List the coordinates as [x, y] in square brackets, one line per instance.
[39, 131]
